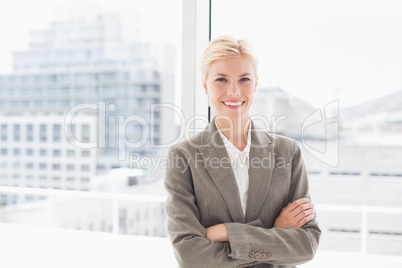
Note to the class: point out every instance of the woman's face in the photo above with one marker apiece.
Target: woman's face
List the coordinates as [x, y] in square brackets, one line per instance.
[231, 84]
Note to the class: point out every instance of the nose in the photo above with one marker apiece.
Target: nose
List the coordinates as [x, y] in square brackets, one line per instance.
[233, 90]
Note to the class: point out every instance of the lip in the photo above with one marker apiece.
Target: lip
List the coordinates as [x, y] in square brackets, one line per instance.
[233, 107]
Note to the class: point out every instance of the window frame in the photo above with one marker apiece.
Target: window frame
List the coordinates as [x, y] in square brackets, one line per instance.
[195, 37]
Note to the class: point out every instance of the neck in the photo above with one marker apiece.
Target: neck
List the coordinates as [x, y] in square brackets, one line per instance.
[235, 131]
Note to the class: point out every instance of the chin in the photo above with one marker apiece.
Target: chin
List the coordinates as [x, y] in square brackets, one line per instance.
[234, 116]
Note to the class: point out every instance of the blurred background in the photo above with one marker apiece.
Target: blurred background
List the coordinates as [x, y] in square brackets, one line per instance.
[85, 121]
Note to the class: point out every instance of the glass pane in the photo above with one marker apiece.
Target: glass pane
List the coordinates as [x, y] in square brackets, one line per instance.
[81, 88]
[329, 77]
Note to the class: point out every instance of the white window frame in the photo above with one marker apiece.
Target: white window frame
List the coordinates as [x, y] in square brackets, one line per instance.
[195, 37]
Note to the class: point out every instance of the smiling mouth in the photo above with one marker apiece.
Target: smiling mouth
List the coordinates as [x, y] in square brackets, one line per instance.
[233, 104]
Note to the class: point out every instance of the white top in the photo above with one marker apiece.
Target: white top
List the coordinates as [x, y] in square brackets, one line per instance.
[240, 163]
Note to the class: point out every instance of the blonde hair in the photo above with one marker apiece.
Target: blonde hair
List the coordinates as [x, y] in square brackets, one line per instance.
[224, 47]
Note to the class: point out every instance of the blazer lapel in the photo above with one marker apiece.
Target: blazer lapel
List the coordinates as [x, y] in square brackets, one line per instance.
[212, 147]
[260, 172]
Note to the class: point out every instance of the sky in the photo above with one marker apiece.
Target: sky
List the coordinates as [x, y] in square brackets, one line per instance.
[158, 20]
[18, 17]
[318, 51]
[321, 51]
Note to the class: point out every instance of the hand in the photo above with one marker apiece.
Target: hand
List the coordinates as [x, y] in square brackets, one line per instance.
[295, 214]
[217, 233]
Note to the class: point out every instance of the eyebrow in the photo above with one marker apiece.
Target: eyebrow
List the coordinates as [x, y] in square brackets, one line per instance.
[224, 75]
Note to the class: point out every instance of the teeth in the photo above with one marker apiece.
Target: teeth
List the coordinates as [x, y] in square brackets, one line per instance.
[233, 103]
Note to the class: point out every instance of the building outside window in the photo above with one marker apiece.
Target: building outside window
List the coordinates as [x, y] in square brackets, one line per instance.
[16, 129]
[3, 133]
[56, 133]
[43, 133]
[29, 132]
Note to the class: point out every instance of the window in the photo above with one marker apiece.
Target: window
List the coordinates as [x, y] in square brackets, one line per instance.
[3, 133]
[70, 134]
[56, 153]
[84, 168]
[16, 152]
[70, 167]
[3, 199]
[85, 133]
[56, 166]
[43, 133]
[68, 62]
[16, 132]
[100, 167]
[70, 153]
[29, 132]
[311, 63]
[56, 133]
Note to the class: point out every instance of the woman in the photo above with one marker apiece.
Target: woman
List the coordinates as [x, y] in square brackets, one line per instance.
[238, 196]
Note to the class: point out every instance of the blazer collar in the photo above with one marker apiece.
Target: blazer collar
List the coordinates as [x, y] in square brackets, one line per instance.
[260, 172]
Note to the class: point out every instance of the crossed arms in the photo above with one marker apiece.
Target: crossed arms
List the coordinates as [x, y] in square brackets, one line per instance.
[293, 239]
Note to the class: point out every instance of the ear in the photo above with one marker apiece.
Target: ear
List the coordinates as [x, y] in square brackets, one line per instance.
[205, 87]
[256, 82]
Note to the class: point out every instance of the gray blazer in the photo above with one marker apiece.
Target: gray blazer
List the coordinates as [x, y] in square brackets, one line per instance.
[202, 191]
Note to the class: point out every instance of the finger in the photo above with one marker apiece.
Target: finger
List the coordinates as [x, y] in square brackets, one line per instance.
[286, 206]
[301, 208]
[305, 220]
[304, 214]
[297, 203]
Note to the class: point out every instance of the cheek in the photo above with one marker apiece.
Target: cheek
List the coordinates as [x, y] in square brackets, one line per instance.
[216, 91]
[249, 92]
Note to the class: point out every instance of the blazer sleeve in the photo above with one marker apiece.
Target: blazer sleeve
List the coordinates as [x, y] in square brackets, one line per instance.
[279, 246]
[188, 236]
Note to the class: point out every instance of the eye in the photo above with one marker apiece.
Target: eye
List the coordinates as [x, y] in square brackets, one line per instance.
[244, 79]
[220, 79]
